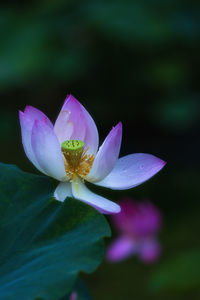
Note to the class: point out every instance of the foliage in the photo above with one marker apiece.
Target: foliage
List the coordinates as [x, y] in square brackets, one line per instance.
[44, 244]
[179, 273]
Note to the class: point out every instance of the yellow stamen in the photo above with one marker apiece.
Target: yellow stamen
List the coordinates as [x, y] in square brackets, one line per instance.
[77, 162]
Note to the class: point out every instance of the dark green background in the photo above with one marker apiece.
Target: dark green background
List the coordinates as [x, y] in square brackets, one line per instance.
[130, 61]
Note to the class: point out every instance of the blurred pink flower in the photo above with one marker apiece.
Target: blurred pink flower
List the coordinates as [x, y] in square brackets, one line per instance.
[138, 225]
[68, 151]
[73, 296]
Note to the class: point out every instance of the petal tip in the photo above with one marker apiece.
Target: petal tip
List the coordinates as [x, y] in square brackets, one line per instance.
[119, 124]
[56, 197]
[28, 108]
[118, 210]
[156, 165]
[118, 127]
[161, 163]
[115, 210]
[70, 97]
[71, 100]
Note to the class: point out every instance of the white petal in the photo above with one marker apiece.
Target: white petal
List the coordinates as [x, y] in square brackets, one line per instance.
[27, 119]
[81, 192]
[62, 191]
[132, 170]
[107, 155]
[91, 138]
[63, 128]
[47, 150]
[75, 123]
[26, 129]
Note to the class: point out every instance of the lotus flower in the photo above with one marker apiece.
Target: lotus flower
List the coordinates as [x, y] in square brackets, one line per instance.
[138, 225]
[68, 151]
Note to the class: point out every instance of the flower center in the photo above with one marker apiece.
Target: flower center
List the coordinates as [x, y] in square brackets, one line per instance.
[77, 162]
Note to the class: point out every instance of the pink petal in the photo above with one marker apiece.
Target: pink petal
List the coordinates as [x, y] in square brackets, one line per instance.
[150, 251]
[74, 122]
[107, 155]
[47, 150]
[122, 248]
[147, 220]
[63, 127]
[91, 138]
[27, 119]
[132, 170]
[81, 192]
[137, 219]
[35, 114]
[63, 191]
[73, 296]
[70, 122]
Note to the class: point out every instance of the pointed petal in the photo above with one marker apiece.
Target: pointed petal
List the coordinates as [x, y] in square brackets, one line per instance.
[63, 128]
[26, 129]
[81, 192]
[62, 191]
[47, 150]
[122, 248]
[107, 155]
[132, 170]
[27, 119]
[91, 138]
[150, 251]
[75, 123]
[35, 114]
[70, 122]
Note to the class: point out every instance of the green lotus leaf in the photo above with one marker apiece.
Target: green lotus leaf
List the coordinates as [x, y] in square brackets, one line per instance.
[44, 243]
